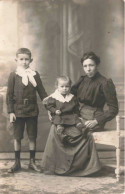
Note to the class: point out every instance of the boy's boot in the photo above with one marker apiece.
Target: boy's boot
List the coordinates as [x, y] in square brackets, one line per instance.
[17, 166]
[32, 164]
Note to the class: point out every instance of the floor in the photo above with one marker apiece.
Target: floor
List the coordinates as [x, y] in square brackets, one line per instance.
[29, 182]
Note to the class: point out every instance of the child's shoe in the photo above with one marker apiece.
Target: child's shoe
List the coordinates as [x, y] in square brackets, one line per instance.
[60, 129]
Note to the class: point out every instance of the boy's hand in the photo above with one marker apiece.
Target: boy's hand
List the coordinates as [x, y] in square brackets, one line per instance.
[45, 100]
[58, 112]
[12, 117]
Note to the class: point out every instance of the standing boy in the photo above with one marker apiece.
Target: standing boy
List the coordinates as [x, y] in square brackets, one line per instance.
[22, 105]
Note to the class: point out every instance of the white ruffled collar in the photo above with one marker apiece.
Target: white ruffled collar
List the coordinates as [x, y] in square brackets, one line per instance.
[56, 95]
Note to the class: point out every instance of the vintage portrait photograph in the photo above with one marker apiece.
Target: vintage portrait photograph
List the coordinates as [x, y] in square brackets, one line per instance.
[62, 97]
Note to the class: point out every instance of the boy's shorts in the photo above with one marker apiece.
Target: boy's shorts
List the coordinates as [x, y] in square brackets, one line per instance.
[31, 127]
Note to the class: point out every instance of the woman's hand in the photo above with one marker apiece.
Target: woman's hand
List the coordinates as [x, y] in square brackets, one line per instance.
[91, 123]
[12, 117]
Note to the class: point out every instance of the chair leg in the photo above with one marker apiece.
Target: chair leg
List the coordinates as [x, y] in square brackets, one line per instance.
[117, 171]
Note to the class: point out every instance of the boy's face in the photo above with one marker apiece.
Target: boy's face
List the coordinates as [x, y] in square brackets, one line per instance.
[63, 87]
[23, 60]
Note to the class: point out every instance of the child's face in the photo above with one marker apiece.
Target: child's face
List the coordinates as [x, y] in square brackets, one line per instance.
[23, 60]
[63, 87]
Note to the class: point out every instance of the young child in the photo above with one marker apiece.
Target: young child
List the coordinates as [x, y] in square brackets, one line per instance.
[63, 105]
[22, 105]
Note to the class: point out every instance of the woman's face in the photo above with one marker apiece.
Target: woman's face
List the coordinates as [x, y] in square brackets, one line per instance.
[89, 67]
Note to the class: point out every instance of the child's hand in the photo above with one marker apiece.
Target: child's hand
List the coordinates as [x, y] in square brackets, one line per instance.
[58, 112]
[12, 117]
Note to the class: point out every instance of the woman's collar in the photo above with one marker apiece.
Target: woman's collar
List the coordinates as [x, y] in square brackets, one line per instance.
[94, 77]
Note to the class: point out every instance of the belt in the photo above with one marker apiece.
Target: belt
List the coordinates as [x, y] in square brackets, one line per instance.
[26, 101]
[89, 107]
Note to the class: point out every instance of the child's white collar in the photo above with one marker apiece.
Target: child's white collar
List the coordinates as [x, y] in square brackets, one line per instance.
[56, 95]
[26, 74]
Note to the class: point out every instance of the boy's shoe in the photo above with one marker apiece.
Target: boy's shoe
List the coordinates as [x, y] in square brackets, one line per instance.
[16, 167]
[60, 129]
[33, 166]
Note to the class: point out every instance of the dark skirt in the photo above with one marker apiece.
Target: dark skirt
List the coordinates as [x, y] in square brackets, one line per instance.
[71, 153]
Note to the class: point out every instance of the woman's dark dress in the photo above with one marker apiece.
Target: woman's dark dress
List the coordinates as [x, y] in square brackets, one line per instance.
[77, 156]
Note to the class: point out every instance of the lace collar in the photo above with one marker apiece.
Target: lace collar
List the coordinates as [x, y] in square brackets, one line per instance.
[56, 95]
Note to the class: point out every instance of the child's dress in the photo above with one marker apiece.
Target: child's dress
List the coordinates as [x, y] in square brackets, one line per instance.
[68, 106]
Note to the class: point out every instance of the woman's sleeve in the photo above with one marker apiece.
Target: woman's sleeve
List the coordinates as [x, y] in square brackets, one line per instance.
[10, 93]
[76, 85]
[76, 108]
[111, 101]
[51, 105]
[40, 89]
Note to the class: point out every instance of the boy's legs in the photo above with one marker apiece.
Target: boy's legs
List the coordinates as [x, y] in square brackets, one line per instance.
[18, 135]
[32, 147]
[17, 148]
[31, 123]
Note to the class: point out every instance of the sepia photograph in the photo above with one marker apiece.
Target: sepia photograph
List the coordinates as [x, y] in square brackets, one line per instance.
[62, 97]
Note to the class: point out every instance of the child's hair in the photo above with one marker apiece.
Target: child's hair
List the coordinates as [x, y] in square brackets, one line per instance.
[23, 51]
[64, 78]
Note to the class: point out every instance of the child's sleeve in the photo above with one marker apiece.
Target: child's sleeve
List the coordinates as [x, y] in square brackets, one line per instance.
[51, 105]
[40, 89]
[10, 93]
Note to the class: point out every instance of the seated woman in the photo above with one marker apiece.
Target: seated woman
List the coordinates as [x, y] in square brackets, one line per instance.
[77, 156]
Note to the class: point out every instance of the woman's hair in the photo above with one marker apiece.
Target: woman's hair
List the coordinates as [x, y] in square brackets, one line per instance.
[90, 55]
[64, 78]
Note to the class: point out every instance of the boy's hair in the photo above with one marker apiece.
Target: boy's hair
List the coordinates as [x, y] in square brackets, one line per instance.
[64, 78]
[23, 51]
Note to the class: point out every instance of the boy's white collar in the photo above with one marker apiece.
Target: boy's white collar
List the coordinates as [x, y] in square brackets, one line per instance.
[56, 95]
[26, 74]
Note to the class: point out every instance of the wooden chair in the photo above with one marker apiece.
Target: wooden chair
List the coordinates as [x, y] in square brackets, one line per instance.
[111, 138]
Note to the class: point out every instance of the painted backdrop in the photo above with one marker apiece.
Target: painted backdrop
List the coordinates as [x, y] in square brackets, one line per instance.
[58, 32]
